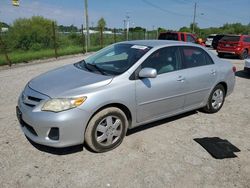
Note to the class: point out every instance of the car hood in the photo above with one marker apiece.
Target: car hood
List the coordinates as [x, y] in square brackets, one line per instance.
[68, 81]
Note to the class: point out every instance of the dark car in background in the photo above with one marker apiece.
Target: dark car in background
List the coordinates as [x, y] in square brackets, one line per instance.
[238, 45]
[216, 39]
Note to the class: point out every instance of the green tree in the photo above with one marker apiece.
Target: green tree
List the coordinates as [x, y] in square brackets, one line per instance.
[185, 29]
[30, 33]
[101, 24]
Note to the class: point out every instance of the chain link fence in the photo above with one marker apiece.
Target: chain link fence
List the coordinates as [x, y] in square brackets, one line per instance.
[24, 46]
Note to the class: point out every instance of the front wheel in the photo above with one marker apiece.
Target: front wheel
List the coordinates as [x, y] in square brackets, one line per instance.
[106, 129]
[215, 100]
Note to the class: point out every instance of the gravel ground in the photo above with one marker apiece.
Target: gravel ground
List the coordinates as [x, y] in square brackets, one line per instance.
[162, 154]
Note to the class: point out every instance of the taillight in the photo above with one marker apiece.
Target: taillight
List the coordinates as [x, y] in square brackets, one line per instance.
[234, 69]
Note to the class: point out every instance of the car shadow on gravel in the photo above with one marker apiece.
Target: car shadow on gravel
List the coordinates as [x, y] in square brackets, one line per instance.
[160, 122]
[57, 151]
[242, 74]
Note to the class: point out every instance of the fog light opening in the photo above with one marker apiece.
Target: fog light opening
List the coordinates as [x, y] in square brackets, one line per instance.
[54, 133]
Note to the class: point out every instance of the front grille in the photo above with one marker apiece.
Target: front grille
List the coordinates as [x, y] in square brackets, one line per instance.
[34, 99]
[30, 100]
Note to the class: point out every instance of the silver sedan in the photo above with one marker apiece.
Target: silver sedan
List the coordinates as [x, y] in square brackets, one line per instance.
[121, 87]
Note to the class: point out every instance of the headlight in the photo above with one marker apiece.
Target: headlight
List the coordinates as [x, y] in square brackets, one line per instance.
[58, 105]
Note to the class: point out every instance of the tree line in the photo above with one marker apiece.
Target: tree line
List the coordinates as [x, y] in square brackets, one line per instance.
[36, 33]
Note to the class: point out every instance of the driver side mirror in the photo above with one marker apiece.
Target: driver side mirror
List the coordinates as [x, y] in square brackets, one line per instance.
[148, 73]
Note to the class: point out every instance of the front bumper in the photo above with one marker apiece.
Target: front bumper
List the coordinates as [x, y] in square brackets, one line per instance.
[37, 125]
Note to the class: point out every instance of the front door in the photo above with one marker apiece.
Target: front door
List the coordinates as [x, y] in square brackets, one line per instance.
[163, 95]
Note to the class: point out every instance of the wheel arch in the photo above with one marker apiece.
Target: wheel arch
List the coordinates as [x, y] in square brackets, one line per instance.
[224, 84]
[121, 106]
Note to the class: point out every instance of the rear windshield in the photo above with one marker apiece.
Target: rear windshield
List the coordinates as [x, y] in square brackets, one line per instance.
[210, 37]
[168, 36]
[231, 38]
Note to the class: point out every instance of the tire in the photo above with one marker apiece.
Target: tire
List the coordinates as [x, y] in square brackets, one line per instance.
[106, 129]
[215, 100]
[244, 54]
[221, 55]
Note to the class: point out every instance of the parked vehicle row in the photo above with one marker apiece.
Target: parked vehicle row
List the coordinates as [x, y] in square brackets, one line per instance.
[121, 87]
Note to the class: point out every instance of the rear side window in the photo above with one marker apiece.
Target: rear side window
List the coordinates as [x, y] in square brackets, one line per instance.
[194, 57]
[230, 38]
[168, 36]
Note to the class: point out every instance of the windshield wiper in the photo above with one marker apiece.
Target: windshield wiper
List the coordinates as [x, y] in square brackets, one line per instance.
[96, 67]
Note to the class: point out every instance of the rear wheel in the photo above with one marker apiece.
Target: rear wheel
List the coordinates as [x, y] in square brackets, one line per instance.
[244, 54]
[106, 130]
[215, 100]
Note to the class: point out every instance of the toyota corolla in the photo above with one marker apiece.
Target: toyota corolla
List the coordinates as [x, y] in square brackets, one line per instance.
[120, 87]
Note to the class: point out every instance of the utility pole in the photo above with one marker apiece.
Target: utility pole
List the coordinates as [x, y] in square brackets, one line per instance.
[127, 19]
[194, 16]
[124, 29]
[87, 25]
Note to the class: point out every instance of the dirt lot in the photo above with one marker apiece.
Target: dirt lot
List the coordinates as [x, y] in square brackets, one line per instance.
[162, 154]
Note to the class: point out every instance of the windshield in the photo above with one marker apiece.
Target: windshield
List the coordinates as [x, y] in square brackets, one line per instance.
[114, 59]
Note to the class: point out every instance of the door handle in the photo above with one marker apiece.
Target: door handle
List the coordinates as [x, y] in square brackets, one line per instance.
[180, 79]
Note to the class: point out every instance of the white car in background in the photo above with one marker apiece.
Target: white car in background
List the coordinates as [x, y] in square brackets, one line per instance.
[209, 40]
[247, 65]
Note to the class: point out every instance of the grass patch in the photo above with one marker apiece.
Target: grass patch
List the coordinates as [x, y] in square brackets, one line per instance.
[26, 56]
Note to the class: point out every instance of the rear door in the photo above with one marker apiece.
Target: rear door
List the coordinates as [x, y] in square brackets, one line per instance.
[200, 75]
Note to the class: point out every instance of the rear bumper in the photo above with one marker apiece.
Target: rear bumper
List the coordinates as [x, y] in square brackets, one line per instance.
[229, 51]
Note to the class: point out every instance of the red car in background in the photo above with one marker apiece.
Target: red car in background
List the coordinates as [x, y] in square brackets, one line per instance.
[234, 44]
[180, 36]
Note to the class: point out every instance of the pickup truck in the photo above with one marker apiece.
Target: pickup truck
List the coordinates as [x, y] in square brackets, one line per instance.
[181, 36]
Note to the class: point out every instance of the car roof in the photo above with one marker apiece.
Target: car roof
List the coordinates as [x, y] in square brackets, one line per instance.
[156, 43]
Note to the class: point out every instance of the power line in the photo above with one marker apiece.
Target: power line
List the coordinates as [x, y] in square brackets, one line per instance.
[164, 10]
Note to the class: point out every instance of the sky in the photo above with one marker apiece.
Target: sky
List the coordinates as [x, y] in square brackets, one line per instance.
[169, 14]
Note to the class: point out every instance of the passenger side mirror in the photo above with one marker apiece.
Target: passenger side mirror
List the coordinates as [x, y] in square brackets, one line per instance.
[148, 73]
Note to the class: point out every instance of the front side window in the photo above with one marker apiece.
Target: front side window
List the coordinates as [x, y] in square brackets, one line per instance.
[194, 57]
[163, 60]
[115, 59]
